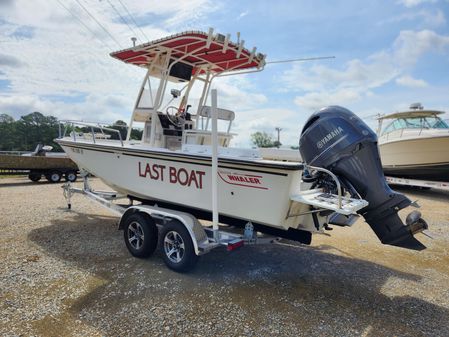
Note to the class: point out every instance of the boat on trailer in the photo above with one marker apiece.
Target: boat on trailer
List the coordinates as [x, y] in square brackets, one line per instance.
[171, 169]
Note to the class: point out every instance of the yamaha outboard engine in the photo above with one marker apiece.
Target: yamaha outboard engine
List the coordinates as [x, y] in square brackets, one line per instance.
[336, 139]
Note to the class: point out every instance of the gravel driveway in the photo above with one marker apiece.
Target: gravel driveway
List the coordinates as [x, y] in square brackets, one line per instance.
[68, 273]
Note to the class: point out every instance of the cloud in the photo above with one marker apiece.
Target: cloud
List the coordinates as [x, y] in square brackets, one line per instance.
[238, 93]
[10, 61]
[315, 100]
[409, 46]
[64, 57]
[408, 81]
[413, 3]
[174, 14]
[242, 15]
[6, 3]
[95, 108]
[322, 85]
[425, 18]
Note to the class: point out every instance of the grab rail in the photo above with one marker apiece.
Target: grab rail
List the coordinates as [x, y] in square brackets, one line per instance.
[91, 126]
[334, 177]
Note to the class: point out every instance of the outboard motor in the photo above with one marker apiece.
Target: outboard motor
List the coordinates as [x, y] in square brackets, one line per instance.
[336, 139]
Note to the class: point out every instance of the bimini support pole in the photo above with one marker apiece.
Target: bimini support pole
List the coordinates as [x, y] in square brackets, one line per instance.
[214, 165]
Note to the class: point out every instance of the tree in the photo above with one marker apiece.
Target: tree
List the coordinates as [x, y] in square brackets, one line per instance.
[277, 144]
[36, 128]
[262, 139]
[4, 118]
[30, 130]
[123, 128]
[120, 126]
[7, 133]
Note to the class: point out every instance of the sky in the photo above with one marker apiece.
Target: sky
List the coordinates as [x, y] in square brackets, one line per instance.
[54, 57]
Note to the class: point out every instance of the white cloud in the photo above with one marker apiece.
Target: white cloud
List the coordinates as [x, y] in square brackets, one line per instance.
[237, 93]
[423, 18]
[95, 108]
[9, 61]
[315, 100]
[322, 85]
[409, 46]
[242, 15]
[408, 81]
[413, 3]
[177, 13]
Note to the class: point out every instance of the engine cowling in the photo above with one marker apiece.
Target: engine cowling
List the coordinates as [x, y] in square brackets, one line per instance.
[336, 139]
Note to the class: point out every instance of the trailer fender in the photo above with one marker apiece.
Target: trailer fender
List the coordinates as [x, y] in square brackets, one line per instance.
[128, 212]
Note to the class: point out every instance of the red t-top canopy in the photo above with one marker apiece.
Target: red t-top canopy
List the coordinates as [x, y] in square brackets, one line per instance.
[199, 49]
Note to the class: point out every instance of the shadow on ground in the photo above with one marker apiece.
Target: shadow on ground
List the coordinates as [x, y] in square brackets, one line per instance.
[303, 290]
[24, 182]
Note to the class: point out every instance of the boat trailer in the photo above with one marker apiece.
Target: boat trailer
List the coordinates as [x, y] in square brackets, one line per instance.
[143, 224]
[181, 235]
[437, 185]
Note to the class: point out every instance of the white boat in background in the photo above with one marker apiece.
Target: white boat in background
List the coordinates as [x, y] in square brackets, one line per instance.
[415, 144]
[171, 166]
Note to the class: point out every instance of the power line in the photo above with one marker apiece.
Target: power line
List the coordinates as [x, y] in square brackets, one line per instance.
[84, 25]
[123, 19]
[132, 18]
[303, 59]
[98, 23]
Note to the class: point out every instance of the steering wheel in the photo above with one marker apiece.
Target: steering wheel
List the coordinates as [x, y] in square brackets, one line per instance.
[176, 117]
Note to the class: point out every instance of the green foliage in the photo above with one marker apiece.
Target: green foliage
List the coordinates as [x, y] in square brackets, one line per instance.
[28, 131]
[262, 139]
[277, 144]
[123, 128]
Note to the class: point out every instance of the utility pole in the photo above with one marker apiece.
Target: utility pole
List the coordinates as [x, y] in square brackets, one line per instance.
[278, 129]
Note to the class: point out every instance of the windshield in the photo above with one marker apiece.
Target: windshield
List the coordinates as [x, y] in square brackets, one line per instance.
[416, 123]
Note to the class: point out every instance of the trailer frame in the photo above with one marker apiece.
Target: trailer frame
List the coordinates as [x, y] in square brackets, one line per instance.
[204, 238]
[437, 185]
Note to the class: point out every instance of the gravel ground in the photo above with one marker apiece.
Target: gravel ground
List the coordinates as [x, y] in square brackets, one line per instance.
[68, 273]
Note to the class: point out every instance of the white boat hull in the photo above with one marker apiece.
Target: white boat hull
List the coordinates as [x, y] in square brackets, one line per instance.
[420, 157]
[253, 190]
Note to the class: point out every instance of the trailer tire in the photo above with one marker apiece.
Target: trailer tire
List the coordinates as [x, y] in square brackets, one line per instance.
[34, 176]
[177, 247]
[71, 176]
[140, 234]
[54, 176]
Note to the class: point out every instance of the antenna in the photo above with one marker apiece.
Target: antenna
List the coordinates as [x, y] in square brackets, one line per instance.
[238, 37]
[303, 59]
[133, 39]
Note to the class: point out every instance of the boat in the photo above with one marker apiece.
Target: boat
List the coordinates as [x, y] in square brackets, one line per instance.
[171, 166]
[415, 144]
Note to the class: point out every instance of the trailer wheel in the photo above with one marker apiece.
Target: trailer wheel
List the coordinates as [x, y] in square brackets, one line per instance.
[140, 234]
[71, 176]
[177, 247]
[54, 177]
[34, 176]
